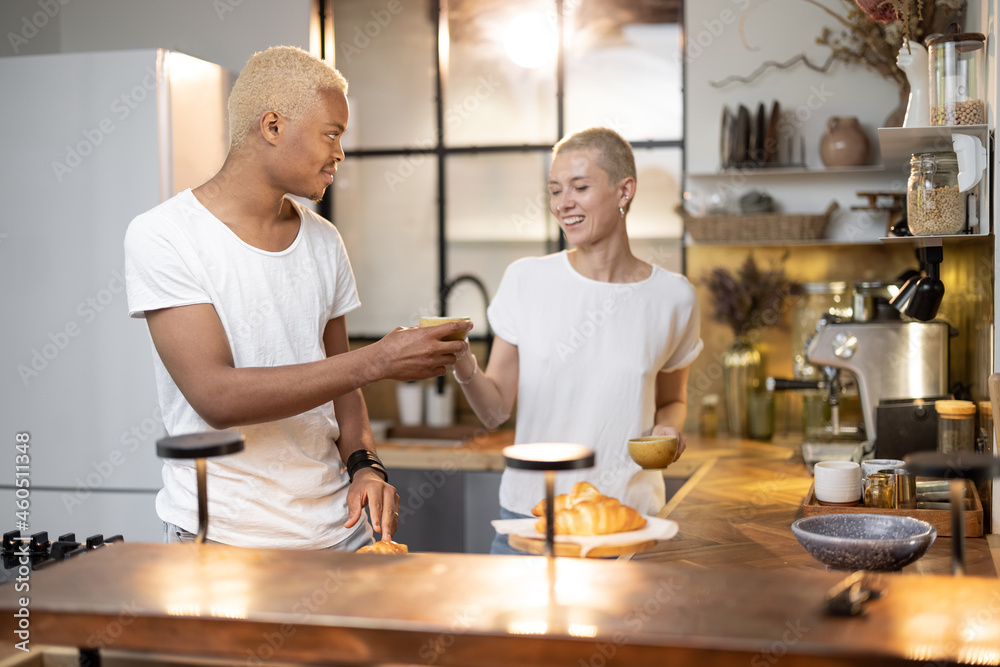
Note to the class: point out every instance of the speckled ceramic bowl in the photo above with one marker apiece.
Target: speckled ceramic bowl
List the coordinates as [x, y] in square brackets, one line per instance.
[864, 541]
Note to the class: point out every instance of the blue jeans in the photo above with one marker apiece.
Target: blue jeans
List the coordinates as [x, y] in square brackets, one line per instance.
[362, 536]
[501, 546]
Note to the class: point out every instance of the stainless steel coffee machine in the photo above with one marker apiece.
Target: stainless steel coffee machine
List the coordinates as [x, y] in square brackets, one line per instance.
[890, 360]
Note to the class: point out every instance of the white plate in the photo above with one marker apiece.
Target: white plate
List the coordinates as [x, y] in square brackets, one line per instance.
[655, 529]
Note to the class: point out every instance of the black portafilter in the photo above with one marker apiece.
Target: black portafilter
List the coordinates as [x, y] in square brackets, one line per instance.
[781, 384]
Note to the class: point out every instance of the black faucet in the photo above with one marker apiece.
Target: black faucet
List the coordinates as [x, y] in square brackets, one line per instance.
[446, 289]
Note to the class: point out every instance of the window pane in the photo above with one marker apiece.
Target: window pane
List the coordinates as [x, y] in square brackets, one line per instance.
[658, 193]
[491, 99]
[386, 211]
[498, 197]
[487, 261]
[623, 70]
[386, 51]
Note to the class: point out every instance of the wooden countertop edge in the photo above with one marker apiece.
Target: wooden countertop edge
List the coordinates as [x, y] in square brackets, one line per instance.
[482, 453]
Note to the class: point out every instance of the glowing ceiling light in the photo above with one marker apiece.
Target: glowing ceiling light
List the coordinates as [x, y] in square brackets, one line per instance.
[530, 41]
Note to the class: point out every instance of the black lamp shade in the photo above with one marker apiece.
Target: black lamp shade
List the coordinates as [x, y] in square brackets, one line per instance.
[919, 298]
[548, 456]
[926, 300]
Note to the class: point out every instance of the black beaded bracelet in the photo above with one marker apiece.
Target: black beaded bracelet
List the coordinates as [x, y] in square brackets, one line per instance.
[363, 458]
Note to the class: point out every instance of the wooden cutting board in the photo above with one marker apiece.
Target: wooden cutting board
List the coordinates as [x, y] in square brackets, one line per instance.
[571, 550]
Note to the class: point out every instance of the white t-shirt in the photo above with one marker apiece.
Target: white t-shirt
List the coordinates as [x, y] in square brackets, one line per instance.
[288, 488]
[589, 353]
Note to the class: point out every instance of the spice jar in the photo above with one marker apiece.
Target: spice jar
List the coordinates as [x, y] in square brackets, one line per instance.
[957, 79]
[880, 491]
[934, 204]
[956, 426]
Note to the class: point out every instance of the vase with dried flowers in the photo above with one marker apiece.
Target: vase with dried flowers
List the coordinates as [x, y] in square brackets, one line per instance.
[875, 31]
[746, 300]
[871, 34]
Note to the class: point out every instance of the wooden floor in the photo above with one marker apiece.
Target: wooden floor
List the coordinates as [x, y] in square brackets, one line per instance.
[738, 506]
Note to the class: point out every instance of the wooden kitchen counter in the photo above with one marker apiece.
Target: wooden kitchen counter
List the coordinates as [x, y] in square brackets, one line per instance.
[320, 607]
[736, 508]
[447, 449]
[474, 450]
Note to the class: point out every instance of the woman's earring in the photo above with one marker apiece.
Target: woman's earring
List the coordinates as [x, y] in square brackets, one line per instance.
[621, 209]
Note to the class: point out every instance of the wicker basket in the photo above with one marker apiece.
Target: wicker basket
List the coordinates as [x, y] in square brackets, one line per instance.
[759, 227]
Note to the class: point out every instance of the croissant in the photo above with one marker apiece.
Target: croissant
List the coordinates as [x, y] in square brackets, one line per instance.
[599, 516]
[580, 491]
[384, 547]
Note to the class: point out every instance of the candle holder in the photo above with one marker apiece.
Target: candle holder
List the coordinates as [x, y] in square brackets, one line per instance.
[549, 457]
[199, 446]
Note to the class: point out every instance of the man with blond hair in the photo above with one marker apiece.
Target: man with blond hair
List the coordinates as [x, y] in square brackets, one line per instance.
[245, 293]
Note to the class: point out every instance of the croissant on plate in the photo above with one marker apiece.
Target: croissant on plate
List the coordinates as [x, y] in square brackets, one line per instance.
[581, 491]
[384, 547]
[584, 511]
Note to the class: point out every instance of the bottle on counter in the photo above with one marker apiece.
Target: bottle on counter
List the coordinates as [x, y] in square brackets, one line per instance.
[708, 417]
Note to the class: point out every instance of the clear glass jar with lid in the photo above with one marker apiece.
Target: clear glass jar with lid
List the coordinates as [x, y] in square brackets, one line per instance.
[934, 204]
[957, 78]
[956, 426]
[815, 302]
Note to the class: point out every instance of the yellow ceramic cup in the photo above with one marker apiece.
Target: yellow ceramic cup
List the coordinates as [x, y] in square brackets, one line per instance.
[653, 452]
[434, 321]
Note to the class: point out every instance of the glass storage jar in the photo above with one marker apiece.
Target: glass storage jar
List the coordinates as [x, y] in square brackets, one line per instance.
[956, 426]
[934, 204]
[815, 302]
[957, 79]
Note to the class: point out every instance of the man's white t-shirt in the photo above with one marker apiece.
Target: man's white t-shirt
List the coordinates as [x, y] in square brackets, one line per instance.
[589, 353]
[288, 488]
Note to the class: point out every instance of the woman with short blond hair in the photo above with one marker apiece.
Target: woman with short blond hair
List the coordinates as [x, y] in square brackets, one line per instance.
[596, 342]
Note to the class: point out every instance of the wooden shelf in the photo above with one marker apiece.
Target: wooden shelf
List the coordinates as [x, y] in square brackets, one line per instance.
[780, 244]
[899, 143]
[788, 171]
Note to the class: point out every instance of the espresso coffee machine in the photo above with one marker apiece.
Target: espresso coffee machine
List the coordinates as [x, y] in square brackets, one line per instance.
[890, 360]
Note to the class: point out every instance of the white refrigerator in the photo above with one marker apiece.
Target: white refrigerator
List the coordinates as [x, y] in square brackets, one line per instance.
[93, 140]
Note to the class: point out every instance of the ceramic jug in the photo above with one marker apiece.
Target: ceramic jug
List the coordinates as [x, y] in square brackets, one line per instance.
[844, 144]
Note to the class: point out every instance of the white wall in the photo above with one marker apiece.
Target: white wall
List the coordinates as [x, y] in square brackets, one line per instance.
[226, 32]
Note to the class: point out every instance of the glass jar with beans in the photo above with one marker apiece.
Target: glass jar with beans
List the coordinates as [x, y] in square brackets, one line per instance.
[957, 78]
[934, 204]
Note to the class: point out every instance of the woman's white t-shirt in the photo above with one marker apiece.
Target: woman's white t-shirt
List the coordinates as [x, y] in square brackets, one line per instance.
[589, 353]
